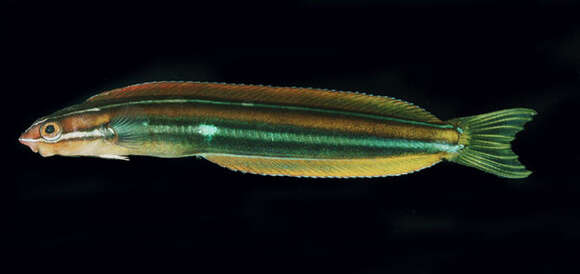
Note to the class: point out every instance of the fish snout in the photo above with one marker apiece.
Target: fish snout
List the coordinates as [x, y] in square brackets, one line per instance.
[29, 140]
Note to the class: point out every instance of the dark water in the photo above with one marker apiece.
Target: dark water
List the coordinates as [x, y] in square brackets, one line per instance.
[450, 57]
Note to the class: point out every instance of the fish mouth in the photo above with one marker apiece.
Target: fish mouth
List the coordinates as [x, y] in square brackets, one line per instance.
[29, 142]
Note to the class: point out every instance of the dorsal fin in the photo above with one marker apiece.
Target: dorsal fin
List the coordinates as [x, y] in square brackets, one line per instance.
[304, 97]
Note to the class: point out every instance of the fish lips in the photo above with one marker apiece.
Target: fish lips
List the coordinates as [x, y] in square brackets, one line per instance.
[30, 140]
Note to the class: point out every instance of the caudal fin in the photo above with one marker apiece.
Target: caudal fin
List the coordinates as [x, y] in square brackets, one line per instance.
[487, 138]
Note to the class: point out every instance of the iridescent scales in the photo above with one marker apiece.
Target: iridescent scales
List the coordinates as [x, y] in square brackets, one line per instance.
[278, 130]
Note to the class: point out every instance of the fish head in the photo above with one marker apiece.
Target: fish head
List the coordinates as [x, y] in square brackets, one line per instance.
[71, 135]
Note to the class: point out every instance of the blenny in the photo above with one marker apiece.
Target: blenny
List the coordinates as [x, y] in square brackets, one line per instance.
[287, 131]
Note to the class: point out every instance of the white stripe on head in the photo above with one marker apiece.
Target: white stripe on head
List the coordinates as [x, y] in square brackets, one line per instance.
[68, 136]
[29, 140]
[83, 134]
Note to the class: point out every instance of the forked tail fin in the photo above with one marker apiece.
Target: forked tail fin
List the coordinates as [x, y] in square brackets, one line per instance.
[487, 138]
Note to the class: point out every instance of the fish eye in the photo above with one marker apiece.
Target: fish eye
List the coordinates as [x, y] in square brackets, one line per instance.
[50, 131]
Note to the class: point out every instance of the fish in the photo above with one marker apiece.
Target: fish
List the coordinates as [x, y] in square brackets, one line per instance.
[280, 131]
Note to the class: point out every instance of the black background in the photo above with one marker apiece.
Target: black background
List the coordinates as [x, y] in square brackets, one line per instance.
[451, 57]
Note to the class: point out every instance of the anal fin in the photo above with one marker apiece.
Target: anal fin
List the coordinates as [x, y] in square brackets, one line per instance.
[338, 168]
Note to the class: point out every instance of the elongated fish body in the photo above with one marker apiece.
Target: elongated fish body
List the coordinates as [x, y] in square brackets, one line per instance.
[278, 131]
